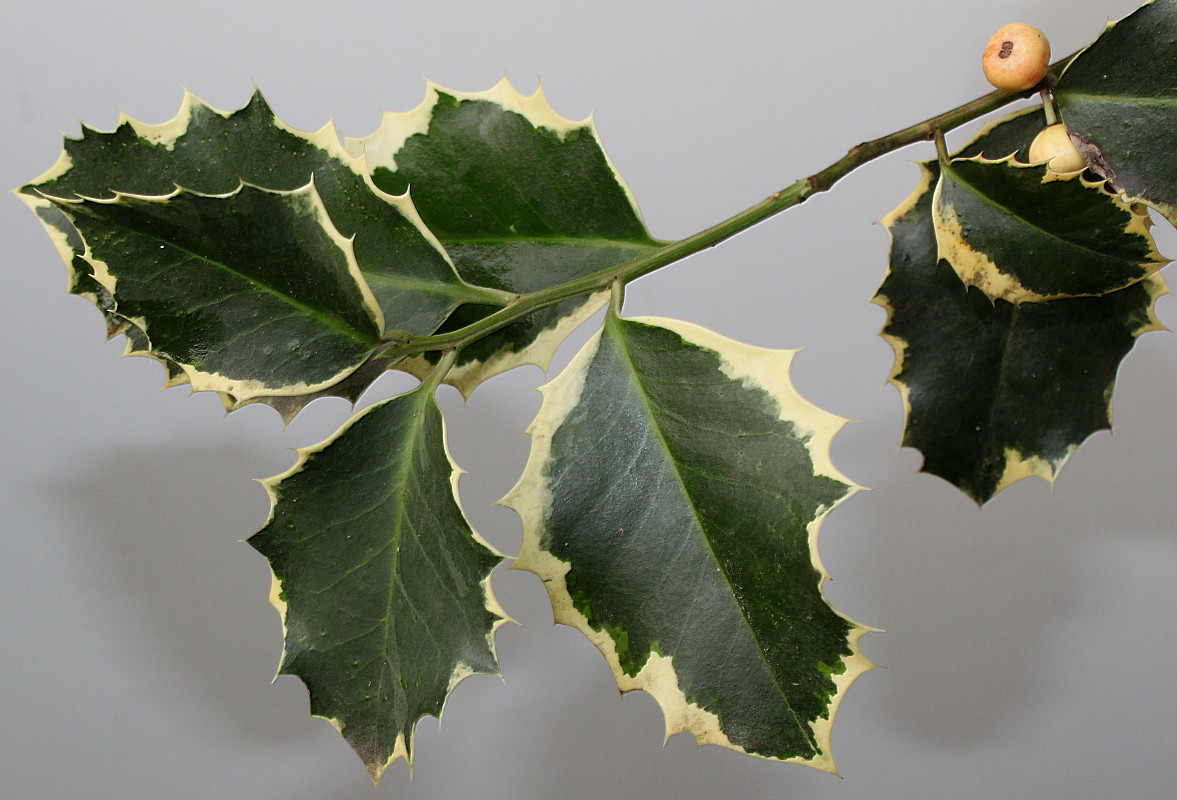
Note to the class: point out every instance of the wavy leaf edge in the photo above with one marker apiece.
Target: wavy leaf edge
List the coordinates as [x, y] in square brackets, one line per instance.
[242, 390]
[1018, 466]
[165, 134]
[394, 130]
[395, 127]
[976, 269]
[764, 369]
[402, 749]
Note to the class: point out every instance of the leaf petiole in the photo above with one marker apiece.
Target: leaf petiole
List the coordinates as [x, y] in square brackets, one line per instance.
[438, 373]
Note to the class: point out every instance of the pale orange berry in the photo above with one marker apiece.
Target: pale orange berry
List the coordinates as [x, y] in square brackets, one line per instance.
[1016, 57]
[1053, 144]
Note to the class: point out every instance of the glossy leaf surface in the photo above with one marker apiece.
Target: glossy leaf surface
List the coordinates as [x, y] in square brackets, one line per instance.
[521, 198]
[1021, 234]
[996, 392]
[209, 151]
[250, 293]
[671, 506]
[383, 587]
[1119, 102]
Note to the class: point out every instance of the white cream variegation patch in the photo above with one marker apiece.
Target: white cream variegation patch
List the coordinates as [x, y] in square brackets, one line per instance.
[467, 377]
[380, 147]
[396, 127]
[1017, 465]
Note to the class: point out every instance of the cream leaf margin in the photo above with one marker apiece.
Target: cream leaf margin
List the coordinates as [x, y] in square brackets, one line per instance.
[762, 368]
[326, 138]
[976, 269]
[401, 748]
[166, 134]
[240, 389]
[381, 146]
[1017, 464]
[379, 149]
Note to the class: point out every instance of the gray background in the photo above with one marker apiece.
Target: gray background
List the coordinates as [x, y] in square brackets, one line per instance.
[1029, 646]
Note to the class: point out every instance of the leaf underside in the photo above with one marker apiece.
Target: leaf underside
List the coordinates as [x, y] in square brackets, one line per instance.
[996, 392]
[1118, 98]
[383, 586]
[671, 506]
[521, 198]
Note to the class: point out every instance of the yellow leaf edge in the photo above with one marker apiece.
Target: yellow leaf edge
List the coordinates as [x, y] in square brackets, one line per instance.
[976, 269]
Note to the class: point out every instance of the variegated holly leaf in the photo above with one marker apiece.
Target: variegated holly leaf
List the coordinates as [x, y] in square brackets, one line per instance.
[1118, 100]
[1023, 234]
[209, 151]
[383, 587]
[521, 198]
[250, 293]
[212, 152]
[997, 392]
[671, 505]
[83, 284]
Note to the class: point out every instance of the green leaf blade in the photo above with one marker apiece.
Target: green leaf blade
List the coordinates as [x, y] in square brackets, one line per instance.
[383, 586]
[1020, 235]
[1119, 102]
[679, 538]
[520, 197]
[209, 151]
[252, 293]
[996, 392]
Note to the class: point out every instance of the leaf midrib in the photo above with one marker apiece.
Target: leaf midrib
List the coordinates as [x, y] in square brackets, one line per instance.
[596, 241]
[398, 485]
[614, 321]
[976, 192]
[1000, 387]
[330, 318]
[1063, 94]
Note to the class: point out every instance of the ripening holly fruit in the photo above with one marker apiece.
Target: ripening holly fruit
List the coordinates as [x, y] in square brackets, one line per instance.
[1016, 57]
[1053, 144]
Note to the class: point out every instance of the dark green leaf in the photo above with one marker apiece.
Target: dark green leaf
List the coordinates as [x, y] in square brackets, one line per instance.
[1019, 233]
[520, 197]
[251, 293]
[1118, 98]
[671, 507]
[383, 587]
[211, 152]
[997, 392]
